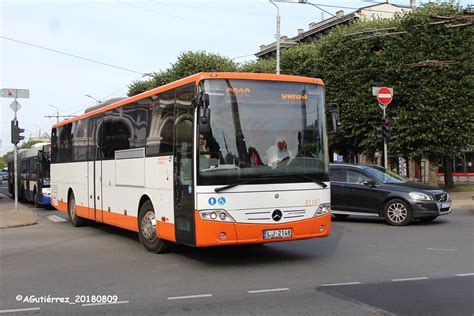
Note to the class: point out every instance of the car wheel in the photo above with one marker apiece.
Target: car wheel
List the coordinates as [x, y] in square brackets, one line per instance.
[147, 230]
[428, 219]
[341, 216]
[397, 213]
[76, 221]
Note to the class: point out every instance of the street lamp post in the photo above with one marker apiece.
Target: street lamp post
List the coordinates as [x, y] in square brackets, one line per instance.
[39, 131]
[57, 112]
[277, 37]
[96, 100]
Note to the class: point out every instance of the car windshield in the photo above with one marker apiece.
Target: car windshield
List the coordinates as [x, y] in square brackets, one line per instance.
[263, 130]
[386, 176]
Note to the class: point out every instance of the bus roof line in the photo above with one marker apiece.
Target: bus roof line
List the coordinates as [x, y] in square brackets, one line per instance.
[196, 78]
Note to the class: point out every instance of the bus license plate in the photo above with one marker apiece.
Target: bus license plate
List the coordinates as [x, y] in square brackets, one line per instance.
[276, 233]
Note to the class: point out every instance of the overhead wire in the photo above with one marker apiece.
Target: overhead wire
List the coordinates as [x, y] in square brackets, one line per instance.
[187, 19]
[71, 55]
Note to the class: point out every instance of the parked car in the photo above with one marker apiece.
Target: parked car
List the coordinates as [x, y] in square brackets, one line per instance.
[3, 175]
[358, 189]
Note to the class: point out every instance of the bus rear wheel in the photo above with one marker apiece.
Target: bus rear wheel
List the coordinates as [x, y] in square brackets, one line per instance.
[147, 232]
[76, 221]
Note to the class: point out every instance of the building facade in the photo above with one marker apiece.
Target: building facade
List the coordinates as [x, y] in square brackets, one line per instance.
[318, 29]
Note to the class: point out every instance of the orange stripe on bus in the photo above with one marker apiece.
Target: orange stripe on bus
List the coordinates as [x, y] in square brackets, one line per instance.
[164, 230]
[208, 233]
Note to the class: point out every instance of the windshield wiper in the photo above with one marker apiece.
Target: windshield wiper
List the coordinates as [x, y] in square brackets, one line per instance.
[226, 187]
[321, 183]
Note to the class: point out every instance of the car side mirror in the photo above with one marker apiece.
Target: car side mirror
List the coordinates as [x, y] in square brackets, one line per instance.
[370, 183]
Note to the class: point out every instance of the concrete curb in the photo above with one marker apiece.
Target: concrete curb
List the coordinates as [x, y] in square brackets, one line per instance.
[21, 218]
[19, 225]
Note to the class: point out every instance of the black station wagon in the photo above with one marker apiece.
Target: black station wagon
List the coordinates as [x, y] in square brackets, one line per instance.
[358, 189]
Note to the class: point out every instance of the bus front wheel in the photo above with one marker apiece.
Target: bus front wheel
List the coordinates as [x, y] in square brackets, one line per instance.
[76, 221]
[147, 230]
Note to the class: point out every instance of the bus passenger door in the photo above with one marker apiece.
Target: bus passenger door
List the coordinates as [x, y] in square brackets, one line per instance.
[183, 168]
[94, 170]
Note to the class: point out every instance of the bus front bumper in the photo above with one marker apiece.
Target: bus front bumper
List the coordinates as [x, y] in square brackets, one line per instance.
[213, 233]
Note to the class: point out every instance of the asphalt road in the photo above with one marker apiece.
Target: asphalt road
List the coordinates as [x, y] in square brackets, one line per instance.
[364, 268]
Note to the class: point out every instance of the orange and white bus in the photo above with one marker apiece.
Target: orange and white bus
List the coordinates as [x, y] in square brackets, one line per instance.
[209, 160]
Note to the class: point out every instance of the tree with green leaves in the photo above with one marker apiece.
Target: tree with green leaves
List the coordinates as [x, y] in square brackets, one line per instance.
[432, 111]
[188, 63]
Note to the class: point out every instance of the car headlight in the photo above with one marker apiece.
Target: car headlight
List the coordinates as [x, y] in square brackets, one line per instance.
[324, 208]
[420, 196]
[216, 215]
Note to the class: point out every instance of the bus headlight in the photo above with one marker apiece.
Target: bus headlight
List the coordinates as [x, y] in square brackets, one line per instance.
[216, 215]
[322, 209]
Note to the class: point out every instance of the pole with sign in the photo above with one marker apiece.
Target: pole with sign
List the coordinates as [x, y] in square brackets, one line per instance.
[15, 106]
[384, 97]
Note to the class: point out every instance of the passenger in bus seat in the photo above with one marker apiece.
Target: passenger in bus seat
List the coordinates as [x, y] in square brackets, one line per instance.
[255, 157]
[278, 152]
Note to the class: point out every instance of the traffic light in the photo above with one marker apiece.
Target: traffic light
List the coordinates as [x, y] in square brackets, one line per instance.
[384, 130]
[380, 132]
[16, 132]
[386, 127]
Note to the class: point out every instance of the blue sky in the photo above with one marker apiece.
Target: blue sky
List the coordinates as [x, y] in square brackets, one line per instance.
[142, 36]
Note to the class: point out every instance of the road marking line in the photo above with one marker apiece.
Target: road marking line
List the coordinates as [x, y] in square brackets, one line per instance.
[19, 310]
[337, 284]
[268, 290]
[465, 274]
[442, 249]
[56, 219]
[189, 296]
[102, 304]
[410, 279]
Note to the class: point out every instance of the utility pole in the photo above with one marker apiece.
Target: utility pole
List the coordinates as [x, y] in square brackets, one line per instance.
[57, 116]
[277, 37]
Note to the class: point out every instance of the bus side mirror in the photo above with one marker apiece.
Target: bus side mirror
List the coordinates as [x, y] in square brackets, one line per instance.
[204, 121]
[336, 123]
[202, 102]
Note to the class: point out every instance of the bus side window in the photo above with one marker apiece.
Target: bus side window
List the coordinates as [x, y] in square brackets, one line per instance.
[160, 136]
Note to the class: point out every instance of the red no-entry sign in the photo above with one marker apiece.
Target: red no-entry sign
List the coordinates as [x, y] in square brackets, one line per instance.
[385, 95]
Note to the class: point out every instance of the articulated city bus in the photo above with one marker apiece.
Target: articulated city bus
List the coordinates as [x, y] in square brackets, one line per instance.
[212, 159]
[33, 174]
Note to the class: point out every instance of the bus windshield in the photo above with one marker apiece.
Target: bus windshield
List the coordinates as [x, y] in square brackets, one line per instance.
[263, 132]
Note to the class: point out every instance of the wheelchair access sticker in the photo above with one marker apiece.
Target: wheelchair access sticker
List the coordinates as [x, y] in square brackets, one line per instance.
[221, 200]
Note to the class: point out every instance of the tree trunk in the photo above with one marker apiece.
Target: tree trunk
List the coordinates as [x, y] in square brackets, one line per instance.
[448, 172]
[433, 173]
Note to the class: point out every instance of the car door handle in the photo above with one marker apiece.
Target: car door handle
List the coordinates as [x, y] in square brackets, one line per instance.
[350, 190]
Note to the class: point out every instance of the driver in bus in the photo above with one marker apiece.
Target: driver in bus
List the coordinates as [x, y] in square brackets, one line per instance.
[278, 152]
[203, 147]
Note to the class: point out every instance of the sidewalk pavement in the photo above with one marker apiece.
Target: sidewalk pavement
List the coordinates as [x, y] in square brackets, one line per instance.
[9, 218]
